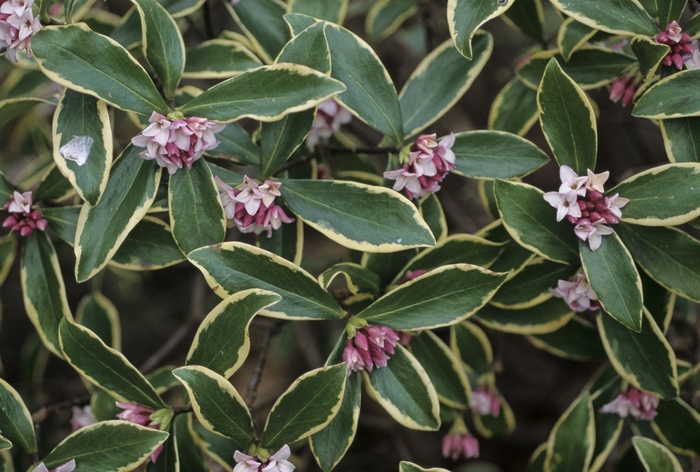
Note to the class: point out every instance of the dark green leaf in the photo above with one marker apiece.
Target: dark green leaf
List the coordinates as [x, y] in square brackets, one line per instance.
[572, 35]
[528, 17]
[577, 340]
[15, 420]
[464, 17]
[472, 347]
[280, 139]
[650, 53]
[386, 16]
[678, 426]
[309, 48]
[539, 319]
[63, 220]
[655, 456]
[100, 316]
[672, 97]
[514, 109]
[235, 144]
[54, 187]
[612, 16]
[218, 58]
[263, 24]
[149, 246]
[682, 139]
[13, 107]
[329, 10]
[531, 285]
[571, 442]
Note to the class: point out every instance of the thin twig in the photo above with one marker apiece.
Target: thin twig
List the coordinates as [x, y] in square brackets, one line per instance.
[363, 150]
[259, 365]
[45, 412]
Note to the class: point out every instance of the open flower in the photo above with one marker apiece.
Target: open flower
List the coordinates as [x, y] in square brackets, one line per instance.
[67, 467]
[17, 26]
[484, 401]
[148, 417]
[577, 293]
[275, 463]
[458, 442]
[178, 142]
[641, 405]
[369, 348]
[81, 417]
[679, 43]
[329, 116]
[22, 218]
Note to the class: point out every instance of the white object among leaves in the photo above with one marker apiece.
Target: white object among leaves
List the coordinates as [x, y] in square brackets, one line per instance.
[77, 149]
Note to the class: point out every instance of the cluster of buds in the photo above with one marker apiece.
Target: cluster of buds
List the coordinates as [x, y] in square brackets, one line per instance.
[679, 43]
[17, 26]
[424, 165]
[624, 87]
[148, 417]
[22, 218]
[175, 141]
[260, 462]
[484, 401]
[581, 201]
[67, 467]
[252, 207]
[641, 405]
[369, 348]
[329, 116]
[577, 293]
[458, 442]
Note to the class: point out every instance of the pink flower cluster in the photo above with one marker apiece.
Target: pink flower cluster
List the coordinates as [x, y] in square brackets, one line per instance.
[460, 444]
[624, 87]
[641, 405]
[276, 463]
[141, 416]
[578, 294]
[22, 218]
[329, 116]
[17, 26]
[67, 467]
[252, 207]
[679, 43]
[176, 143]
[427, 165]
[581, 201]
[485, 401]
[369, 347]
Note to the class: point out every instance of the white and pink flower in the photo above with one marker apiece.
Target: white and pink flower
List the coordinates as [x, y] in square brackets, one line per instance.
[275, 463]
[577, 293]
[460, 444]
[485, 401]
[329, 117]
[640, 405]
[370, 348]
[22, 218]
[67, 467]
[678, 41]
[17, 26]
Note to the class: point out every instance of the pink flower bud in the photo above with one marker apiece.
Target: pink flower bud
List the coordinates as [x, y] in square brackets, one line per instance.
[662, 38]
[667, 61]
[677, 61]
[9, 221]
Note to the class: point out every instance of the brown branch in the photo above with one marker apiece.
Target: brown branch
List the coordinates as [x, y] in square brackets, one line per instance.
[255, 379]
[45, 412]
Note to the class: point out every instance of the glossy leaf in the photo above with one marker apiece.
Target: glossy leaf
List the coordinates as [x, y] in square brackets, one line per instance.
[386, 16]
[222, 341]
[15, 420]
[307, 406]
[11, 108]
[668, 255]
[577, 340]
[612, 16]
[539, 319]
[404, 389]
[472, 347]
[405, 466]
[54, 187]
[571, 442]
[358, 279]
[217, 404]
[464, 17]
[572, 35]
[329, 10]
[309, 48]
[162, 44]
[671, 97]
[231, 267]
[8, 249]
[63, 220]
[101, 446]
[286, 242]
[218, 59]
[526, 16]
[100, 316]
[266, 93]
[662, 196]
[678, 426]
[439, 81]
[105, 367]
[262, 23]
[650, 53]
[531, 221]
[101, 230]
[670, 10]
[531, 285]
[196, 215]
[514, 109]
[149, 246]
[44, 291]
[82, 60]
[358, 216]
[655, 456]
[644, 359]
[496, 155]
[567, 119]
[235, 143]
[370, 94]
[682, 139]
[613, 277]
[441, 297]
[280, 139]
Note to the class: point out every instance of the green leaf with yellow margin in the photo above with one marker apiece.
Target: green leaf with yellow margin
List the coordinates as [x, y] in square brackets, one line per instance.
[404, 390]
[607, 426]
[54, 187]
[386, 16]
[567, 119]
[577, 340]
[472, 347]
[5, 444]
[358, 216]
[443, 368]
[217, 404]
[162, 44]
[190, 456]
[218, 59]
[15, 421]
[231, 267]
[612, 16]
[169, 458]
[611, 272]
[439, 81]
[307, 406]
[359, 280]
[130, 191]
[539, 319]
[644, 359]
[536, 462]
[149, 246]
[682, 139]
[222, 341]
[441, 297]
[490, 426]
[8, 250]
[213, 446]
[670, 10]
[433, 214]
[105, 367]
[514, 109]
[263, 24]
[287, 241]
[571, 442]
[82, 143]
[666, 195]
[677, 424]
[531, 221]
[266, 94]
[6, 189]
[572, 35]
[100, 316]
[464, 17]
[527, 17]
[196, 215]
[308, 48]
[650, 53]
[670, 257]
[329, 10]
[672, 97]
[655, 456]
[405, 466]
[82, 60]
[298, 22]
[11, 108]
[102, 446]
[44, 291]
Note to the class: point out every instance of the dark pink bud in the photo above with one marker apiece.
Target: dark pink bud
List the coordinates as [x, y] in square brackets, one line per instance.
[17, 227]
[677, 61]
[667, 61]
[609, 218]
[594, 196]
[662, 38]
[685, 38]
[572, 219]
[26, 231]
[361, 341]
[581, 205]
[41, 224]
[617, 88]
[589, 206]
[628, 96]
[584, 214]
[676, 48]
[600, 207]
[688, 49]
[31, 224]
[594, 216]
[9, 221]
[35, 215]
